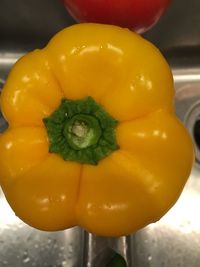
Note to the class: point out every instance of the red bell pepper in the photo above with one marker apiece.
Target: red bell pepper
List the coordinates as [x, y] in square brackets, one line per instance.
[138, 15]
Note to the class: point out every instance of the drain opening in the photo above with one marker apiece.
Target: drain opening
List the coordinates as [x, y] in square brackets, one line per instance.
[3, 122]
[192, 121]
[196, 133]
[1, 84]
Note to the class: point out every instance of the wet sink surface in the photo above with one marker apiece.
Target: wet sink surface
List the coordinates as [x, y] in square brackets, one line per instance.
[175, 239]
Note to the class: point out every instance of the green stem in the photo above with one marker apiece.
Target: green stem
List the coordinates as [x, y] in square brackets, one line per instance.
[117, 261]
[81, 130]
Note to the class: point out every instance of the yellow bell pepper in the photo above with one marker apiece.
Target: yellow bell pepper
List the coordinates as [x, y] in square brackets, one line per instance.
[93, 139]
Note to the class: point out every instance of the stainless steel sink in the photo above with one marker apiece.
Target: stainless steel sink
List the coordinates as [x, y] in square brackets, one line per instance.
[174, 241]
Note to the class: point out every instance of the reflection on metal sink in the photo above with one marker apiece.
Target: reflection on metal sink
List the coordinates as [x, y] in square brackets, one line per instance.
[175, 239]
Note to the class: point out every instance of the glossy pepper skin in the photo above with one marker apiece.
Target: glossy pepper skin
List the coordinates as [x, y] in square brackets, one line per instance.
[135, 184]
[138, 15]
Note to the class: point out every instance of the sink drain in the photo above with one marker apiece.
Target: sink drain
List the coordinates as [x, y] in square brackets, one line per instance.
[197, 133]
[1, 84]
[192, 122]
[3, 123]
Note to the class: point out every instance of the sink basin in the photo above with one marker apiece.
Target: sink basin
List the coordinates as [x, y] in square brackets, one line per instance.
[175, 239]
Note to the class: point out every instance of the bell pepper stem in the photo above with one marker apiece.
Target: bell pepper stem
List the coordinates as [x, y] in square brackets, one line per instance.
[107, 251]
[81, 130]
